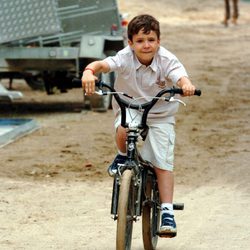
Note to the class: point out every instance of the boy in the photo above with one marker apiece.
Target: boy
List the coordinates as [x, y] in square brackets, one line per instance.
[143, 69]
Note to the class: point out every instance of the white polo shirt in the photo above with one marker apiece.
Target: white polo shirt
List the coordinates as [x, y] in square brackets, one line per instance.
[142, 81]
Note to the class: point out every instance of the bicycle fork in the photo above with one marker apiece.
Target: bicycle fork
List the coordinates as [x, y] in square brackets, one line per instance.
[137, 177]
[137, 182]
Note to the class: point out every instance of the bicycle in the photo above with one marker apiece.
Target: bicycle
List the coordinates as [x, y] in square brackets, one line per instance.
[135, 189]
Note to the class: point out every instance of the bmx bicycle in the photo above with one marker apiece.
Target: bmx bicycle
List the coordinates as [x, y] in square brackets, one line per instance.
[135, 189]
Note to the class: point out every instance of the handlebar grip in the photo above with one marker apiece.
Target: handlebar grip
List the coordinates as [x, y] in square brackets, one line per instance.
[178, 206]
[79, 82]
[197, 92]
[179, 91]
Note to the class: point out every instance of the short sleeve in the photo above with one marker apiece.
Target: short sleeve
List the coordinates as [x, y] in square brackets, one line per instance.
[114, 62]
[175, 70]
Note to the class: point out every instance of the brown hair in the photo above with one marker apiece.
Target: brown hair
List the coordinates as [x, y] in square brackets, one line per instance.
[144, 22]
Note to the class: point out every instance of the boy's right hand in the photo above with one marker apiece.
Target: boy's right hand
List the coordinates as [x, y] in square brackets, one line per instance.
[88, 82]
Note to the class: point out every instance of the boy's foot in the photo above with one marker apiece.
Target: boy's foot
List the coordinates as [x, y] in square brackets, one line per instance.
[168, 226]
[112, 169]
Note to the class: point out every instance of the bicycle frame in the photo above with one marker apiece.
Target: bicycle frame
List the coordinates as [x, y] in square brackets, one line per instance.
[139, 166]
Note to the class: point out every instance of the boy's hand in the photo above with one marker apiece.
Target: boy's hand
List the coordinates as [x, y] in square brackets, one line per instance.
[88, 82]
[187, 87]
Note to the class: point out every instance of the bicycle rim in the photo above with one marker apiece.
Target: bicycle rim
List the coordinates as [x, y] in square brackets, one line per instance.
[150, 216]
[125, 211]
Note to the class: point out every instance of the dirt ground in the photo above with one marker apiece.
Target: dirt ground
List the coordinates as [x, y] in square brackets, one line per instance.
[55, 192]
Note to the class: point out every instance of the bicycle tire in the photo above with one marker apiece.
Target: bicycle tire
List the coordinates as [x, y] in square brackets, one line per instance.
[150, 215]
[126, 205]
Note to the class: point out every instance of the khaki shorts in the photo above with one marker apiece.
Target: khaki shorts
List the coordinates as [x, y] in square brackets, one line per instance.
[158, 148]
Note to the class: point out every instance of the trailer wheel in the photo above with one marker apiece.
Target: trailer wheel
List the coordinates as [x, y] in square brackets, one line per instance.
[35, 82]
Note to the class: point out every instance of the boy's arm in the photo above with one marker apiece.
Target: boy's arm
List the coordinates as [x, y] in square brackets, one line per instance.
[88, 76]
[185, 84]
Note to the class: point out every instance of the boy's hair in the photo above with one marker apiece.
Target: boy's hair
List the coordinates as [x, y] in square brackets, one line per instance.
[144, 22]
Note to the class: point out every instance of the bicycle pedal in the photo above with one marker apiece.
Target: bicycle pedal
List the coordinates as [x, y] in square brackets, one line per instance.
[167, 234]
[178, 206]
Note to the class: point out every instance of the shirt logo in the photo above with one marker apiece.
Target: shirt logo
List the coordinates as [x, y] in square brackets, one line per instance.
[161, 84]
[165, 83]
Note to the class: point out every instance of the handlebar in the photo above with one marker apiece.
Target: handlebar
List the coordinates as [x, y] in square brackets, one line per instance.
[101, 84]
[145, 106]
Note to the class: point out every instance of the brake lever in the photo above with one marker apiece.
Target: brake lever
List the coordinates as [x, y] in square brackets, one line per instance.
[99, 92]
[172, 99]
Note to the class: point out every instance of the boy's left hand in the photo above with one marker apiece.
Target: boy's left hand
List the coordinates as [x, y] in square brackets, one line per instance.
[187, 87]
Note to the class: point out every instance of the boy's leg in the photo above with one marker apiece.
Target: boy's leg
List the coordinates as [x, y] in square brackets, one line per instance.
[121, 134]
[159, 150]
[120, 158]
[166, 189]
[165, 184]
[120, 139]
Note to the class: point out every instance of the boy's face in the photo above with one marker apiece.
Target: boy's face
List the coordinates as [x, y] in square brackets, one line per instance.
[145, 46]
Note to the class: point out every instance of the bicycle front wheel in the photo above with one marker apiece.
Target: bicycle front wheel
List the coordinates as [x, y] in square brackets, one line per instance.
[150, 214]
[126, 208]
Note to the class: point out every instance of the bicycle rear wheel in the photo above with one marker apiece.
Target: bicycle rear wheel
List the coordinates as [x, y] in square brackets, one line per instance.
[150, 215]
[126, 208]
